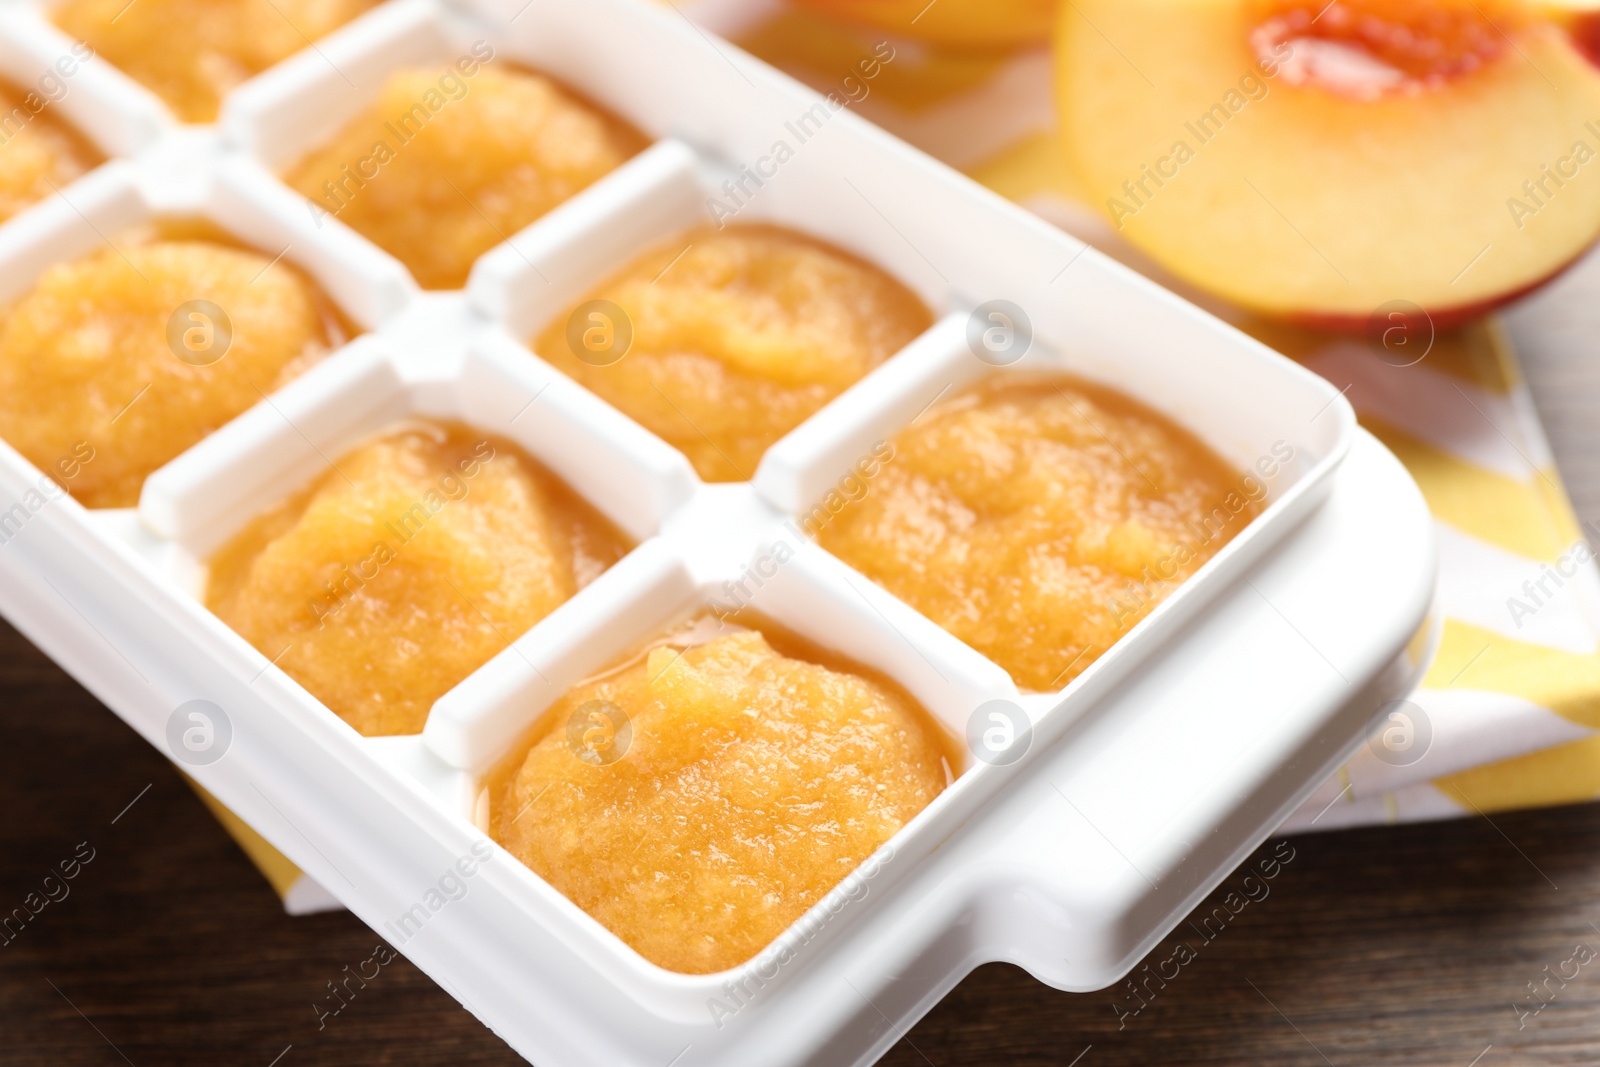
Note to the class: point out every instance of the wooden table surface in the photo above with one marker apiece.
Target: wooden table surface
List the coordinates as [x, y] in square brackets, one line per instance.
[1375, 947]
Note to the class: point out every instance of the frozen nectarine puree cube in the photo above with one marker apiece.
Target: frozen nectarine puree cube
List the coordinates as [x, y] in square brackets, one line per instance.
[1040, 519]
[448, 164]
[38, 154]
[134, 353]
[738, 336]
[745, 785]
[191, 53]
[408, 565]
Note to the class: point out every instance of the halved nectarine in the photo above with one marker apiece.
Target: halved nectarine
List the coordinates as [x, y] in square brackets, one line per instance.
[1319, 160]
[963, 24]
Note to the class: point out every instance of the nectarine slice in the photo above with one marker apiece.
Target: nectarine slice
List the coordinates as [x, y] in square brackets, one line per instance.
[1319, 160]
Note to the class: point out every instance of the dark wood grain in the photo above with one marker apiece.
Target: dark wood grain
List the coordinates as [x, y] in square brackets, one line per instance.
[1375, 947]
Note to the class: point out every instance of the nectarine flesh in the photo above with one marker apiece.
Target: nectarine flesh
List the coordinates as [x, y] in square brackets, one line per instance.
[1319, 161]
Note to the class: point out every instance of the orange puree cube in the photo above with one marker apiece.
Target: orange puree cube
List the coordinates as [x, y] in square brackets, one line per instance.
[752, 784]
[1039, 520]
[738, 336]
[136, 352]
[411, 563]
[447, 165]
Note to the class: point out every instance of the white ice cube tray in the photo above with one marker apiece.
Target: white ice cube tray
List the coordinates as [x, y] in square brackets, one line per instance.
[1146, 779]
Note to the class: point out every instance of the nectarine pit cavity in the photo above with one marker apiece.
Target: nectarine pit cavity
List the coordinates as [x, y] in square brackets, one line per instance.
[1368, 48]
[1585, 33]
